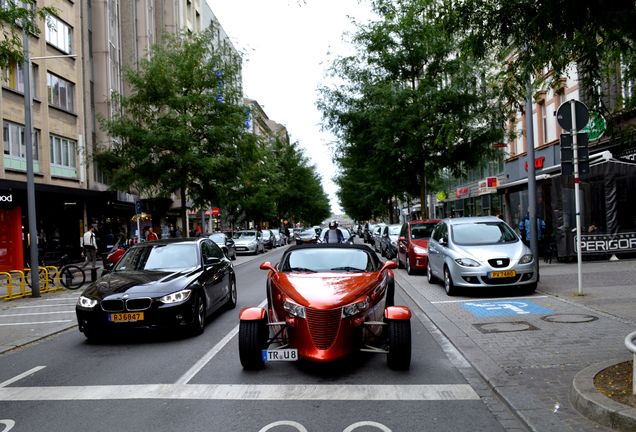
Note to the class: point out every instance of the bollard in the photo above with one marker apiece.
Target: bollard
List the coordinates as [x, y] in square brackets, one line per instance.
[93, 274]
[629, 343]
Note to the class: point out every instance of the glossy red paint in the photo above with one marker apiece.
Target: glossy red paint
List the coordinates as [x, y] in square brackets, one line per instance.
[397, 313]
[418, 259]
[252, 314]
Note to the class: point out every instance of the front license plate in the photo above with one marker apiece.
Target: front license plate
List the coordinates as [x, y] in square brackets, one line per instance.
[284, 354]
[502, 274]
[126, 317]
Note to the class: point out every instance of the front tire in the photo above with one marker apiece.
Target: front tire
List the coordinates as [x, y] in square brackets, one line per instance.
[429, 274]
[252, 340]
[232, 295]
[449, 286]
[409, 269]
[197, 326]
[399, 356]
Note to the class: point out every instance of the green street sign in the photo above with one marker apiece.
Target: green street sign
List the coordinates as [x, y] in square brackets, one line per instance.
[595, 128]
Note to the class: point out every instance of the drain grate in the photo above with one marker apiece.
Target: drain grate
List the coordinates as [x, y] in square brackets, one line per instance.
[569, 318]
[505, 327]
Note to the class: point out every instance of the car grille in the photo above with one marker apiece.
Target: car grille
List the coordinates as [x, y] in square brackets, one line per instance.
[501, 281]
[323, 326]
[119, 305]
[505, 262]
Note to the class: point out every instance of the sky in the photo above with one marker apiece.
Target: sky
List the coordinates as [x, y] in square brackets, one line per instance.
[287, 46]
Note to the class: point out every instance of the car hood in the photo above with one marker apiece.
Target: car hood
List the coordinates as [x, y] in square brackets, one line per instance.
[245, 241]
[327, 290]
[146, 283]
[483, 253]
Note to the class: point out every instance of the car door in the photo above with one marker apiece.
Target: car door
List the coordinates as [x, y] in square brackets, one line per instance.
[214, 274]
[403, 242]
[435, 258]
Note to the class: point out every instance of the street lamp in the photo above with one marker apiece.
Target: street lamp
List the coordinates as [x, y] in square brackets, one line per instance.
[28, 142]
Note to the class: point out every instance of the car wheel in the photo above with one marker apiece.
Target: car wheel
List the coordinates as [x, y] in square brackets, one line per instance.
[231, 301]
[429, 273]
[390, 292]
[531, 288]
[399, 356]
[252, 339]
[197, 326]
[409, 269]
[450, 288]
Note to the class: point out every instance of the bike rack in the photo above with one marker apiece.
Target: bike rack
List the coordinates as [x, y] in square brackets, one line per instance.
[629, 343]
[19, 275]
[17, 279]
[7, 276]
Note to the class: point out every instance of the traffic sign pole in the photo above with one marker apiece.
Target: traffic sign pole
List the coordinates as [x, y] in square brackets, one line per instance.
[577, 203]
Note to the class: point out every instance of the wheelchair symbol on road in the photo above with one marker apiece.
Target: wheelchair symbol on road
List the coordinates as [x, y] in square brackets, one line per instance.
[505, 308]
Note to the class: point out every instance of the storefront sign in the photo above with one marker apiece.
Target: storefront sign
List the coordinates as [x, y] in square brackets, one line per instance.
[462, 192]
[606, 243]
[6, 198]
[487, 186]
[538, 163]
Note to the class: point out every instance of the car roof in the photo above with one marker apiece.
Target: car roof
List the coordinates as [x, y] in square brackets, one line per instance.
[423, 221]
[471, 219]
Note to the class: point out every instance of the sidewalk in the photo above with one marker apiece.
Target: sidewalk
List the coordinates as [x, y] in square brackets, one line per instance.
[541, 353]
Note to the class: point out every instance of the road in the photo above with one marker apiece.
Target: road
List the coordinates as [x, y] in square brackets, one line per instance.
[164, 382]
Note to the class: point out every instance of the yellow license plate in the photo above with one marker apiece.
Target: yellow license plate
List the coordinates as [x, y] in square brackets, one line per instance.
[126, 317]
[502, 274]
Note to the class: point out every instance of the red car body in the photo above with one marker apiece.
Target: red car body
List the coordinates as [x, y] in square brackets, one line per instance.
[412, 250]
[328, 315]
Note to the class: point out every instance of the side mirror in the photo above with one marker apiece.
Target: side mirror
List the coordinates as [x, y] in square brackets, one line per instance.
[389, 265]
[443, 241]
[212, 260]
[268, 266]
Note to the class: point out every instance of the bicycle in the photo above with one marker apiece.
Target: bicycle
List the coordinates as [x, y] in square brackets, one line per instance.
[70, 276]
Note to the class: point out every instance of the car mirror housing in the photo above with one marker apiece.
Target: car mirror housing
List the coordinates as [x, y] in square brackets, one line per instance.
[268, 266]
[212, 260]
[389, 265]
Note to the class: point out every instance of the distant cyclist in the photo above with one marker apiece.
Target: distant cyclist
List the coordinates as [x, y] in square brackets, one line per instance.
[333, 234]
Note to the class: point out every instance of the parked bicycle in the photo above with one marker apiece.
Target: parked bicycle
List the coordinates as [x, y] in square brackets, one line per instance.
[70, 276]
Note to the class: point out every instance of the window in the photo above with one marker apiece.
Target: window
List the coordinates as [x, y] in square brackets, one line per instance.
[13, 78]
[61, 92]
[13, 135]
[63, 152]
[59, 34]
[544, 122]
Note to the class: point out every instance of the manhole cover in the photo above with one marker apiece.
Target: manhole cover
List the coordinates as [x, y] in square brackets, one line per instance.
[569, 318]
[505, 327]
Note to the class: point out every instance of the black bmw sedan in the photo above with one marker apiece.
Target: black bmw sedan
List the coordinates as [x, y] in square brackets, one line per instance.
[166, 283]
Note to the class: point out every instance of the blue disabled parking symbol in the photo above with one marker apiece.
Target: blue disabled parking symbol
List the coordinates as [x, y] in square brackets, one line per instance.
[505, 308]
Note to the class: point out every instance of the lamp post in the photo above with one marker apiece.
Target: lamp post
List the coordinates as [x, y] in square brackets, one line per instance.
[28, 142]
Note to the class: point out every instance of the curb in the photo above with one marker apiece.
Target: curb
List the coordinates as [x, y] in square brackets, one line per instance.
[598, 407]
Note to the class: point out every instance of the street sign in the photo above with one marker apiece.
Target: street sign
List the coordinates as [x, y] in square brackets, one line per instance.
[567, 154]
[564, 115]
[595, 128]
[138, 207]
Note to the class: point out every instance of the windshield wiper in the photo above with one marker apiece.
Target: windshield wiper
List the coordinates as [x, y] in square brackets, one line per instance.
[348, 268]
[302, 269]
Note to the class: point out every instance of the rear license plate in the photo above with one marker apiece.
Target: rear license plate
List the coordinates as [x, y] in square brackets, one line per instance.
[126, 317]
[285, 354]
[502, 274]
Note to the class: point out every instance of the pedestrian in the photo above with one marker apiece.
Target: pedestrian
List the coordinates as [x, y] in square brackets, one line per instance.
[150, 235]
[89, 241]
[524, 229]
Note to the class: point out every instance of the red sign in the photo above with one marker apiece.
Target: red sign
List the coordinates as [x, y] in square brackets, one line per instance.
[461, 192]
[538, 163]
[215, 211]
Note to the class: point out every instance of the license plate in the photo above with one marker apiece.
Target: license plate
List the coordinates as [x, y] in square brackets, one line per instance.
[284, 354]
[502, 274]
[240, 248]
[126, 317]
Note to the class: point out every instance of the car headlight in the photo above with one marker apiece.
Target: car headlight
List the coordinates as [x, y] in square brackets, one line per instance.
[467, 262]
[294, 309]
[86, 302]
[526, 259]
[355, 308]
[419, 250]
[176, 297]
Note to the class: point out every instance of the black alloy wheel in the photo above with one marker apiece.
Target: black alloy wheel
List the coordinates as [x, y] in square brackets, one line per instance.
[197, 326]
[399, 333]
[232, 296]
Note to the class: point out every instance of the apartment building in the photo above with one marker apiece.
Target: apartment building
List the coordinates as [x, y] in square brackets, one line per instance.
[77, 64]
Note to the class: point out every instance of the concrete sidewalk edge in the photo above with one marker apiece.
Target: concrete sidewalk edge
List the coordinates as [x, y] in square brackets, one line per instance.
[598, 407]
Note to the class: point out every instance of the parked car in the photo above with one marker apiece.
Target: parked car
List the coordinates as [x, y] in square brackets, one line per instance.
[412, 251]
[307, 236]
[377, 234]
[225, 242]
[164, 283]
[478, 252]
[325, 302]
[389, 239]
[346, 234]
[248, 241]
[278, 237]
[269, 241]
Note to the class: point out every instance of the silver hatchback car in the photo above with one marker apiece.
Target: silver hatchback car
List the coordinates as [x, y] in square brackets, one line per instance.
[477, 252]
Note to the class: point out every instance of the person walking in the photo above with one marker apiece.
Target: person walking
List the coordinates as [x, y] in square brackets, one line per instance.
[150, 235]
[89, 242]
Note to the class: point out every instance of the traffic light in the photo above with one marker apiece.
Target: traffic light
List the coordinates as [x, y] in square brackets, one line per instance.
[567, 154]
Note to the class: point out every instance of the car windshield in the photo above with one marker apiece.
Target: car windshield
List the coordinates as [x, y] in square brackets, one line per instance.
[218, 238]
[482, 233]
[244, 234]
[159, 257]
[421, 231]
[395, 229]
[328, 260]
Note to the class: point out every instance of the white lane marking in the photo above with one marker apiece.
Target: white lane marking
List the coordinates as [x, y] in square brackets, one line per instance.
[37, 313]
[34, 322]
[186, 377]
[8, 423]
[355, 426]
[298, 426]
[292, 392]
[22, 375]
[485, 300]
[46, 306]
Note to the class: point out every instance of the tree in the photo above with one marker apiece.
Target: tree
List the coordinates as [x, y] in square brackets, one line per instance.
[412, 104]
[17, 16]
[182, 126]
